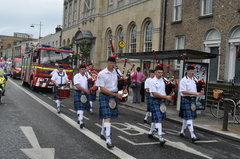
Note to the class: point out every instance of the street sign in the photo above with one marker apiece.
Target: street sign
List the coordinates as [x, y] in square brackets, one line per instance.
[121, 44]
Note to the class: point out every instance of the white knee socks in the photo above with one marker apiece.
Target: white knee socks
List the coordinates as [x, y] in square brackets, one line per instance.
[103, 129]
[148, 114]
[152, 128]
[80, 116]
[58, 103]
[190, 127]
[184, 125]
[159, 127]
[107, 127]
[91, 103]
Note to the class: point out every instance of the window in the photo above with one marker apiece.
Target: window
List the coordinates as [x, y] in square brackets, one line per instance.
[148, 37]
[1, 40]
[177, 11]
[88, 7]
[70, 14]
[179, 44]
[75, 12]
[120, 37]
[133, 39]
[110, 2]
[65, 16]
[109, 43]
[207, 7]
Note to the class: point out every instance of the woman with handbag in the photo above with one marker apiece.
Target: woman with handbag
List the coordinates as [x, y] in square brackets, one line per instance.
[137, 78]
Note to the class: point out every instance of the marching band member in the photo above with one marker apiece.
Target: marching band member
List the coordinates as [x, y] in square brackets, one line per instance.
[59, 79]
[107, 81]
[147, 85]
[93, 89]
[81, 102]
[158, 108]
[188, 90]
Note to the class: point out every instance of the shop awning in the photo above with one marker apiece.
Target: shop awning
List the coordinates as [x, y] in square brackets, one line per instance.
[183, 54]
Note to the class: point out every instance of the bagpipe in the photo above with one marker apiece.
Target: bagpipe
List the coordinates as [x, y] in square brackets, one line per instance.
[91, 82]
[170, 87]
[123, 83]
[201, 85]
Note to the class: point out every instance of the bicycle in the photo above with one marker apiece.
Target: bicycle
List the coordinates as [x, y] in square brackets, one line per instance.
[217, 108]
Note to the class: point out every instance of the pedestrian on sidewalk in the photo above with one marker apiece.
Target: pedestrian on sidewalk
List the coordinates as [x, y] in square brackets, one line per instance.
[147, 86]
[107, 81]
[81, 102]
[158, 108]
[138, 77]
[59, 79]
[188, 91]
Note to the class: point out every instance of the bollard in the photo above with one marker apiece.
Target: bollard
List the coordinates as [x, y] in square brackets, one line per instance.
[225, 117]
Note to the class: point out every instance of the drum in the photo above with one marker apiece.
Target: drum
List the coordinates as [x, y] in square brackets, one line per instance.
[63, 92]
[125, 96]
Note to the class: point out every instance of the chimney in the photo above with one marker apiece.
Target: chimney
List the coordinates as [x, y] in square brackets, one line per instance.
[58, 28]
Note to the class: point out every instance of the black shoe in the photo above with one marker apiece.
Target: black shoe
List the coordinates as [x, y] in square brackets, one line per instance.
[195, 139]
[150, 136]
[103, 137]
[162, 143]
[91, 113]
[145, 121]
[110, 146]
[182, 135]
[82, 125]
[78, 121]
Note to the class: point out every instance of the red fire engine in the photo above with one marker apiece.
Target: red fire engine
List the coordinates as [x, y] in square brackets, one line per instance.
[39, 62]
[15, 70]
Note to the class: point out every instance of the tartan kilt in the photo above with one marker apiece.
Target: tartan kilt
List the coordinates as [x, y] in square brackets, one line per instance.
[92, 97]
[148, 99]
[185, 108]
[157, 115]
[104, 111]
[78, 105]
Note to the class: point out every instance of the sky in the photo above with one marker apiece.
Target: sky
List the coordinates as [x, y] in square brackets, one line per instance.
[19, 15]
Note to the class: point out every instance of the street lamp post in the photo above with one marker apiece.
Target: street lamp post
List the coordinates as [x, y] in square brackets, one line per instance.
[40, 27]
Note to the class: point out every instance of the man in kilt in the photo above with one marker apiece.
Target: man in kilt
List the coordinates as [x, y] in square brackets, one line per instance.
[59, 79]
[81, 102]
[158, 108]
[188, 91]
[107, 81]
[147, 85]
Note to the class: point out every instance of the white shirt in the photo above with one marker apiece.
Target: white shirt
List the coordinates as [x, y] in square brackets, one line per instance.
[157, 85]
[57, 77]
[108, 80]
[187, 84]
[81, 80]
[55, 70]
[147, 83]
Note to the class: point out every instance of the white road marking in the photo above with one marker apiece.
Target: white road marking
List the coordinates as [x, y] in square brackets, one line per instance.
[36, 152]
[44, 95]
[63, 105]
[177, 145]
[206, 141]
[116, 151]
[137, 144]
[49, 98]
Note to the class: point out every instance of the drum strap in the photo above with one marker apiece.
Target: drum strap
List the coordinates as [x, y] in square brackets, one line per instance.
[61, 76]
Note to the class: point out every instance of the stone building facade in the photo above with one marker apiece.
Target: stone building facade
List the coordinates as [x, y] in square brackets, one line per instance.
[207, 25]
[136, 22]
[8, 41]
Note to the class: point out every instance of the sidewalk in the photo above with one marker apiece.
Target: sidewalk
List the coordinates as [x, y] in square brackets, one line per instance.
[205, 121]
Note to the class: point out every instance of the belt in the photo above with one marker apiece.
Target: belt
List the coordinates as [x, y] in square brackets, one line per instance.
[188, 97]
